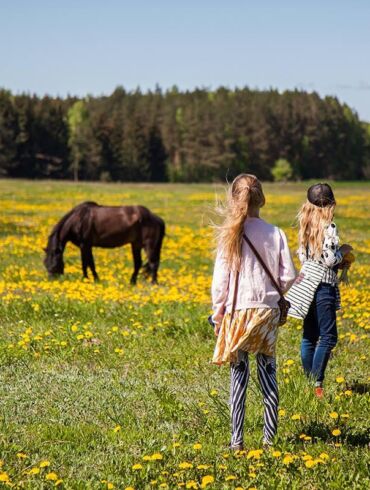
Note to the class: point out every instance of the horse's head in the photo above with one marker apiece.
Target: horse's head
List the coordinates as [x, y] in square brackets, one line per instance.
[54, 257]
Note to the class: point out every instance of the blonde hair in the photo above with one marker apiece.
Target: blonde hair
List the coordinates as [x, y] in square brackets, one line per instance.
[312, 222]
[244, 193]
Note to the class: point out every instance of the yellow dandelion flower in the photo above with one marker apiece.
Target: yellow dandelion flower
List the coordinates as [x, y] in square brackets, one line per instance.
[52, 476]
[34, 471]
[44, 464]
[4, 477]
[288, 459]
[230, 477]
[197, 446]
[157, 457]
[306, 457]
[207, 480]
[117, 428]
[276, 454]
[296, 416]
[137, 467]
[339, 379]
[185, 465]
[254, 453]
[319, 461]
[333, 415]
[191, 484]
[310, 463]
[336, 432]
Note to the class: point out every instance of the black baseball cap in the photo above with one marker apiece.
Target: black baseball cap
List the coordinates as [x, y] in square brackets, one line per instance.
[321, 195]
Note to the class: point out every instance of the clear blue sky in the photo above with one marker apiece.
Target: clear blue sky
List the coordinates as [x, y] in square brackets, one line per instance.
[80, 47]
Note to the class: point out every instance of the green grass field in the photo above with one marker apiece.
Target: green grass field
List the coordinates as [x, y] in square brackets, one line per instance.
[111, 386]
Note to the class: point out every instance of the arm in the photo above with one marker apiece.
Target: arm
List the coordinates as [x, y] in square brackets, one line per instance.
[220, 289]
[331, 254]
[287, 272]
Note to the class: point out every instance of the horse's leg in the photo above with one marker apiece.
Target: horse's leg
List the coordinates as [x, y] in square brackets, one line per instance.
[91, 263]
[154, 267]
[136, 252]
[84, 260]
[153, 261]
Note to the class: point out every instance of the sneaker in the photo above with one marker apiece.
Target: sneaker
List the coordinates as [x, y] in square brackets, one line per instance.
[267, 445]
[319, 392]
[236, 447]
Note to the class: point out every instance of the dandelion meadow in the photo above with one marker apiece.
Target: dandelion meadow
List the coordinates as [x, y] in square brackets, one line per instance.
[109, 386]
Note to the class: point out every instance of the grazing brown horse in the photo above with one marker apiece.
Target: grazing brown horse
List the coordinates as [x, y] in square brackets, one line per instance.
[91, 225]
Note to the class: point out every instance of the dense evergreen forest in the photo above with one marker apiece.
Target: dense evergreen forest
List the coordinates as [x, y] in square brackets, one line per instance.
[191, 136]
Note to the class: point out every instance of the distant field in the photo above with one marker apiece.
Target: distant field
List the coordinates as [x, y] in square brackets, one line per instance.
[110, 386]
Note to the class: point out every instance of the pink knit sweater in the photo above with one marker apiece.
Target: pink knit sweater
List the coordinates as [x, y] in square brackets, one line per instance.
[255, 288]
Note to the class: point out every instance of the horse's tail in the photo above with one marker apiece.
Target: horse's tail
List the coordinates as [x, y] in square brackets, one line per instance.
[157, 223]
[161, 234]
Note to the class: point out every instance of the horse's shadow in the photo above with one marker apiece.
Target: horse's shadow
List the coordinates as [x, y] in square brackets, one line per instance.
[320, 431]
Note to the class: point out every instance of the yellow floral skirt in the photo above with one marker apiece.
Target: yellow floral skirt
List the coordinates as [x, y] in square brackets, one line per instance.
[252, 330]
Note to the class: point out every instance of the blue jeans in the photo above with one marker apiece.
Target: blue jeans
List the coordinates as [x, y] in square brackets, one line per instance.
[319, 333]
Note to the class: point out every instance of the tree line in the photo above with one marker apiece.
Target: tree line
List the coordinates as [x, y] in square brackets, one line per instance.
[175, 136]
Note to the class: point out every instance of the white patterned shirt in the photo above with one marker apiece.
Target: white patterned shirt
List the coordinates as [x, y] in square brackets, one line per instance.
[330, 256]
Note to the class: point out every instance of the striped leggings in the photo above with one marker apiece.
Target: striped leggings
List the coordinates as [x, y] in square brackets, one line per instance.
[240, 372]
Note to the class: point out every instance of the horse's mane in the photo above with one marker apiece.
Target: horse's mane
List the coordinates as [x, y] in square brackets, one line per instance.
[54, 235]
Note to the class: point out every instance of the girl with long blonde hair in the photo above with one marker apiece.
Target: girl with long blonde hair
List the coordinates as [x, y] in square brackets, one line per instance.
[314, 296]
[245, 301]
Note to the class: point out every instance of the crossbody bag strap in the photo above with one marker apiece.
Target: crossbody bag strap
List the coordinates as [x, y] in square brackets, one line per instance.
[266, 269]
[236, 287]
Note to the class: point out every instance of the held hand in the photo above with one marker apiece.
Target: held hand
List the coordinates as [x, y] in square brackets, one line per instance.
[216, 328]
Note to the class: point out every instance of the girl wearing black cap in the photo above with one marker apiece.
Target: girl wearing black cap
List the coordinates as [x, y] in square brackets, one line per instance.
[314, 296]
